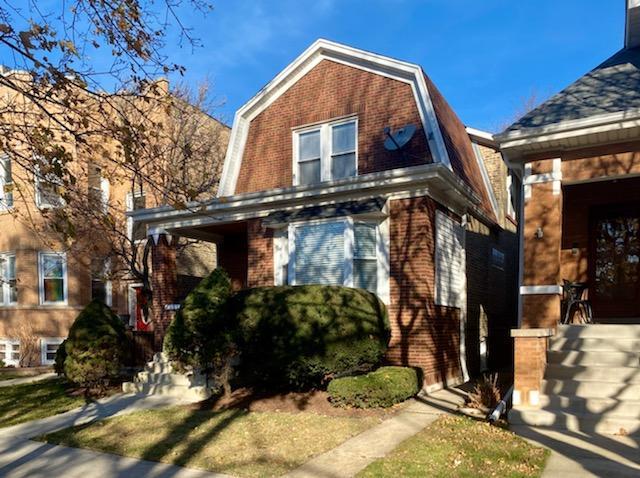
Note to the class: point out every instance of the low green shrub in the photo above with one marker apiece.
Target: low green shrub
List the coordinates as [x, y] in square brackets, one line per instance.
[96, 347]
[201, 330]
[383, 388]
[300, 337]
[61, 356]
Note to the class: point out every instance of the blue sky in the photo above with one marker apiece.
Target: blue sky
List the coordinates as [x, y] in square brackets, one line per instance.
[486, 56]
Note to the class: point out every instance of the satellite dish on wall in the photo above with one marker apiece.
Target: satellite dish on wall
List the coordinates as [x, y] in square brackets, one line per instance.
[397, 139]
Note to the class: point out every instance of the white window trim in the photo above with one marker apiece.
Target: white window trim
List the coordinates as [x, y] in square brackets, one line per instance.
[9, 344]
[3, 206]
[442, 301]
[326, 155]
[39, 203]
[129, 206]
[65, 278]
[382, 251]
[511, 212]
[44, 341]
[108, 283]
[4, 287]
[131, 302]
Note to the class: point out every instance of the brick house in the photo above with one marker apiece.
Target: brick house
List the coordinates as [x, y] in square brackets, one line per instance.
[46, 281]
[579, 154]
[310, 194]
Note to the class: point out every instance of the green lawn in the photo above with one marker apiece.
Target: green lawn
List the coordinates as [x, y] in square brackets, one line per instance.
[460, 447]
[22, 403]
[10, 375]
[241, 443]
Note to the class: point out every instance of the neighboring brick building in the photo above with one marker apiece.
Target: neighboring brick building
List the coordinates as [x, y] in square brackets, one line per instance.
[579, 156]
[310, 194]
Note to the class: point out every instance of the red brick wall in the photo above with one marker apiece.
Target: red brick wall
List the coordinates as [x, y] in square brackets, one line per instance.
[423, 334]
[329, 91]
[165, 287]
[260, 254]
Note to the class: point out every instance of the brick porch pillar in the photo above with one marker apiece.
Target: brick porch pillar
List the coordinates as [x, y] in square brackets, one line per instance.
[530, 361]
[164, 281]
[542, 240]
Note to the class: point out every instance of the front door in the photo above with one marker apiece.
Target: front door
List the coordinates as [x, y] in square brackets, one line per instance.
[615, 261]
[137, 300]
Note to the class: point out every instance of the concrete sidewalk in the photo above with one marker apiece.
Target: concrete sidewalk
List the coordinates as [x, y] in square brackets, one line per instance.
[30, 379]
[355, 454]
[21, 457]
[575, 454]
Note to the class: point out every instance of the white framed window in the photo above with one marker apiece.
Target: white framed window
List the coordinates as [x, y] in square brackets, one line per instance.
[52, 273]
[8, 279]
[99, 188]
[450, 262]
[10, 352]
[48, 184]
[135, 201]
[6, 184]
[101, 284]
[325, 152]
[346, 252]
[48, 348]
[511, 210]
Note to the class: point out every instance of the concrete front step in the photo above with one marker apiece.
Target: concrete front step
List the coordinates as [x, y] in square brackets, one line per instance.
[188, 394]
[599, 331]
[577, 388]
[607, 344]
[585, 423]
[159, 367]
[169, 379]
[610, 406]
[618, 375]
[602, 358]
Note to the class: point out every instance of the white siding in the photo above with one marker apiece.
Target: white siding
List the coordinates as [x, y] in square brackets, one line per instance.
[450, 262]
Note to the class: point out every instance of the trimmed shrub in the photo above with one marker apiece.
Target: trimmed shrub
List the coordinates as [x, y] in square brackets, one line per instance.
[383, 388]
[96, 347]
[201, 331]
[300, 337]
[61, 356]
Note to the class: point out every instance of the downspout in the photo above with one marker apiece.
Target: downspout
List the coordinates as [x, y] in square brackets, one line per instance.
[501, 407]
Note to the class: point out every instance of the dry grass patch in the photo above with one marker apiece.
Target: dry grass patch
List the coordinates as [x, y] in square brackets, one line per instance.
[238, 442]
[461, 447]
[23, 403]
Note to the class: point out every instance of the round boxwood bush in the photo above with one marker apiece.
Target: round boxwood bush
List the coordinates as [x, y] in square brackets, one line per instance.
[200, 331]
[302, 336]
[380, 389]
[96, 347]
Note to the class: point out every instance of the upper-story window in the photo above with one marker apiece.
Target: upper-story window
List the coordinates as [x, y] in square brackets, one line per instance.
[98, 188]
[136, 201]
[48, 184]
[326, 152]
[6, 184]
[8, 282]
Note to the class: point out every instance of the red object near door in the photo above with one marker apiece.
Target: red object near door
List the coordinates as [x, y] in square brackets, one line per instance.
[141, 301]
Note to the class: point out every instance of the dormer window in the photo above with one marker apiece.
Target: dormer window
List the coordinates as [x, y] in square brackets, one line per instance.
[326, 152]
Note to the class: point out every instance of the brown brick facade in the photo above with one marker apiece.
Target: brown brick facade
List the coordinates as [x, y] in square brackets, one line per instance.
[423, 334]
[165, 287]
[331, 90]
[530, 350]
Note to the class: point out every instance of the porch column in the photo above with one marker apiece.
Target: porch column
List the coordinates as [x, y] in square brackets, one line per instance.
[164, 281]
[542, 228]
[530, 362]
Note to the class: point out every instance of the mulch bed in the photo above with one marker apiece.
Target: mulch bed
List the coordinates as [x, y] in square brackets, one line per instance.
[315, 401]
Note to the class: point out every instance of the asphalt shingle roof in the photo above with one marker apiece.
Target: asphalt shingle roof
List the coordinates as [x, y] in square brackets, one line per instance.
[612, 87]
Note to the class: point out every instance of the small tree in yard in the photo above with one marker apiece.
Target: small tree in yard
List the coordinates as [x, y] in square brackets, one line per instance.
[96, 348]
[200, 336]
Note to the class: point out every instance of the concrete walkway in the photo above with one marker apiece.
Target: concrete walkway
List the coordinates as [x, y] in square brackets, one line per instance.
[582, 455]
[30, 379]
[21, 457]
[355, 454]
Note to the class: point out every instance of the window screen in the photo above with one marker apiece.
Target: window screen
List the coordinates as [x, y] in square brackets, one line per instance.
[320, 253]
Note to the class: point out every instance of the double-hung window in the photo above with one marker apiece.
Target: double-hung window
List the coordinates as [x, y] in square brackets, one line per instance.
[135, 201]
[52, 269]
[101, 285]
[49, 183]
[326, 152]
[6, 184]
[10, 352]
[48, 349]
[98, 189]
[336, 252]
[8, 283]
